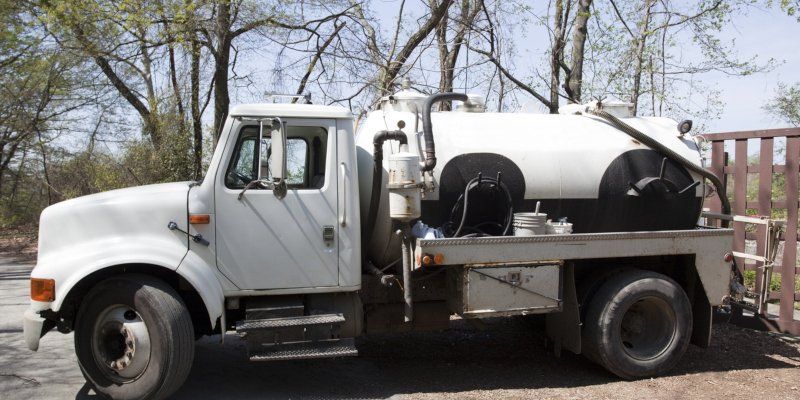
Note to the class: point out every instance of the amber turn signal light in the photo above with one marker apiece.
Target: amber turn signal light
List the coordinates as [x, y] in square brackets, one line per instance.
[428, 259]
[199, 219]
[43, 289]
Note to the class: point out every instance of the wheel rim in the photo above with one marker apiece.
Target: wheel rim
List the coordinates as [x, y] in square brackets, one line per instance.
[648, 328]
[121, 343]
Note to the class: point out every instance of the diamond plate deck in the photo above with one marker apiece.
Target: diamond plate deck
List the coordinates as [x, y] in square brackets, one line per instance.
[304, 350]
[289, 322]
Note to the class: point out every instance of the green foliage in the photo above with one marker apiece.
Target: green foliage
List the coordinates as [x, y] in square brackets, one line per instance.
[774, 283]
[792, 7]
[785, 106]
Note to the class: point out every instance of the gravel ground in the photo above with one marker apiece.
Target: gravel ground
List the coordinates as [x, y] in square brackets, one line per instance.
[507, 359]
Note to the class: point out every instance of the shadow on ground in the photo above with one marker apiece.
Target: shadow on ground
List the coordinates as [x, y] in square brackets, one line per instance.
[509, 354]
[507, 359]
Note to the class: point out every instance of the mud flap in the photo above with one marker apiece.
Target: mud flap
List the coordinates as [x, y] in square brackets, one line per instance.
[702, 316]
[564, 328]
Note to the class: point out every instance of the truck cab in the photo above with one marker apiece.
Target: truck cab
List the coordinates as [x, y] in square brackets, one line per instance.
[269, 244]
[304, 238]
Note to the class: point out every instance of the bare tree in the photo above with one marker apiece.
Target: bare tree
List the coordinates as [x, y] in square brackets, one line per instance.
[448, 54]
[560, 18]
[231, 21]
[579, 34]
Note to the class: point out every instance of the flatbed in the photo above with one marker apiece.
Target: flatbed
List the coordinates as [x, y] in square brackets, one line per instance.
[708, 246]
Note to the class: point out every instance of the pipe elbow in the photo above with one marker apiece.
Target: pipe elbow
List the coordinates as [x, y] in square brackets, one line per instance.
[382, 136]
[427, 126]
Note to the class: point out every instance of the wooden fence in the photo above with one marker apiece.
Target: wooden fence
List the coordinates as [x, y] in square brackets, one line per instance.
[737, 174]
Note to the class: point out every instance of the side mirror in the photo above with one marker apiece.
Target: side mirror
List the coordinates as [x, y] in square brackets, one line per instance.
[275, 153]
[277, 162]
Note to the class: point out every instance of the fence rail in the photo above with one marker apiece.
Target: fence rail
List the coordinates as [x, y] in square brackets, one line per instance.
[764, 204]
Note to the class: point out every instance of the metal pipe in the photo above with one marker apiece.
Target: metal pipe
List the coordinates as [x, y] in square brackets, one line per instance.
[427, 126]
[377, 180]
[386, 279]
[408, 309]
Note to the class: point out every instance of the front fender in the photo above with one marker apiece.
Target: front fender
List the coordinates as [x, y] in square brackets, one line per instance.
[202, 277]
[72, 265]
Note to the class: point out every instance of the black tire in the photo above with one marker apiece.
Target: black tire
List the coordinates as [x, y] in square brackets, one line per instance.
[637, 325]
[168, 331]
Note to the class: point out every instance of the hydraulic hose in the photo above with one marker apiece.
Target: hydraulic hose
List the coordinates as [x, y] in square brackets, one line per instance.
[427, 126]
[377, 180]
[474, 184]
[669, 153]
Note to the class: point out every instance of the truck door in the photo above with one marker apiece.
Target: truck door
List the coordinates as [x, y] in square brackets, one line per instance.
[267, 242]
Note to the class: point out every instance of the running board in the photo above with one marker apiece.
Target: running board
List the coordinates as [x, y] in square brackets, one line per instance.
[289, 322]
[305, 350]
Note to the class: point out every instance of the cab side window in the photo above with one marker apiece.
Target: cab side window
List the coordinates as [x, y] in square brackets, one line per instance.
[305, 158]
[244, 163]
[296, 161]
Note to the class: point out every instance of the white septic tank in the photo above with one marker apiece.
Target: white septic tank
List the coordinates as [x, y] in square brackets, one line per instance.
[578, 166]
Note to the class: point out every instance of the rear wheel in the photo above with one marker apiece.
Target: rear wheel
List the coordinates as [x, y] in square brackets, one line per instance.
[638, 324]
[134, 338]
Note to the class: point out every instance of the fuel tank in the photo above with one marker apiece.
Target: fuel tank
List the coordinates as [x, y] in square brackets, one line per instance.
[578, 166]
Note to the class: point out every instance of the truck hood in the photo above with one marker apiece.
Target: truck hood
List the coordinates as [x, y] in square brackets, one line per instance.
[101, 219]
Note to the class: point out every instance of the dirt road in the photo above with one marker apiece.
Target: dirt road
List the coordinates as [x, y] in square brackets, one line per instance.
[506, 360]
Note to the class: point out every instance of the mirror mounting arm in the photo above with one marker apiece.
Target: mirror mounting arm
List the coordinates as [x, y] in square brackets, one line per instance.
[260, 183]
[279, 188]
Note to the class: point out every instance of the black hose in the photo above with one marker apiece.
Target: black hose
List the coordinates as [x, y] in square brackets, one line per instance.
[427, 126]
[669, 153]
[377, 180]
[476, 231]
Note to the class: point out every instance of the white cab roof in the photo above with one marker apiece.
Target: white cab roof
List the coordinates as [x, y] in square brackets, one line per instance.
[290, 110]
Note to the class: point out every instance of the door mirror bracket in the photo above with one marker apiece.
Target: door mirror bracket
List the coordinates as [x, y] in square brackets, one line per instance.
[279, 189]
[257, 183]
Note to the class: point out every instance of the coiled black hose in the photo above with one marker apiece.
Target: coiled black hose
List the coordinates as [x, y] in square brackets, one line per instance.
[475, 184]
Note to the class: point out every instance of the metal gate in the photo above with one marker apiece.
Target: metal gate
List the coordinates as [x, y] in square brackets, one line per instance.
[762, 201]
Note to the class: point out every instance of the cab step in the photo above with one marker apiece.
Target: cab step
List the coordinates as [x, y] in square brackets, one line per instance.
[305, 350]
[295, 337]
[305, 321]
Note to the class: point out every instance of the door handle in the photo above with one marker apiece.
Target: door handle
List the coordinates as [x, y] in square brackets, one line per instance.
[343, 182]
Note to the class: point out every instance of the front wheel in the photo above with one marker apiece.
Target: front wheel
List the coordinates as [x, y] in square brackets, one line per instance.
[134, 338]
[638, 324]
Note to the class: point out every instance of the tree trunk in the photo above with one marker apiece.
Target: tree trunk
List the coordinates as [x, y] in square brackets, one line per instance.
[197, 123]
[441, 41]
[221, 64]
[152, 101]
[448, 58]
[45, 170]
[579, 35]
[394, 66]
[176, 89]
[556, 55]
[641, 44]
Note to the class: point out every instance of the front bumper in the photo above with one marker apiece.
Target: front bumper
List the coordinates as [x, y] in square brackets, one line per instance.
[33, 327]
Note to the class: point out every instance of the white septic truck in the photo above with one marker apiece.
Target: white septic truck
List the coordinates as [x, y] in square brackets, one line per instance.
[305, 234]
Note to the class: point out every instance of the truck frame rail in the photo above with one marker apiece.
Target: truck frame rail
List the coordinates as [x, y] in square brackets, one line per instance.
[709, 246]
